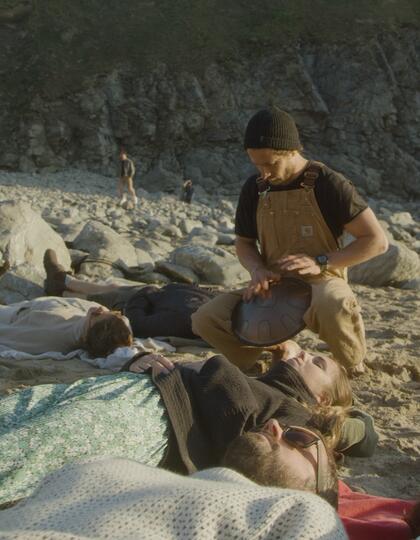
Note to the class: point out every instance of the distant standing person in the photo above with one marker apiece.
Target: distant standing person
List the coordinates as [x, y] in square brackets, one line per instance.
[127, 173]
[187, 191]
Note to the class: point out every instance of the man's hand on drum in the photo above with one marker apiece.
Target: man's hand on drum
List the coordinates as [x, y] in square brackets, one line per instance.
[299, 264]
[261, 278]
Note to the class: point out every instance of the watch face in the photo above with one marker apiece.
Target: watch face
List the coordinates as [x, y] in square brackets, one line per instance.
[322, 259]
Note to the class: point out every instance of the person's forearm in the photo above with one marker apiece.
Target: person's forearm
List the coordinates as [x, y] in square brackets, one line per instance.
[248, 255]
[360, 250]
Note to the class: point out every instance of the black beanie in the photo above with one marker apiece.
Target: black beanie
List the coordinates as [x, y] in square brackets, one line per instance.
[272, 128]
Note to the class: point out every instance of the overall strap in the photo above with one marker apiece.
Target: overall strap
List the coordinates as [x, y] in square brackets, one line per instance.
[310, 176]
[263, 186]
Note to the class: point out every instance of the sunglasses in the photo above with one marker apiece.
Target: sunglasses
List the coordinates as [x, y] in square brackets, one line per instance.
[300, 438]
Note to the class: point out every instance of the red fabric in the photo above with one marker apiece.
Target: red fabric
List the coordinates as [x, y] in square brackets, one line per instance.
[367, 517]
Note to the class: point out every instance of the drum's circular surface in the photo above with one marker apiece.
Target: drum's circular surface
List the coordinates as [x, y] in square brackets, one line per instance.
[267, 321]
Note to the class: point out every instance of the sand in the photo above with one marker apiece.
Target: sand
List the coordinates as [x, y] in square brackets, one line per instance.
[389, 390]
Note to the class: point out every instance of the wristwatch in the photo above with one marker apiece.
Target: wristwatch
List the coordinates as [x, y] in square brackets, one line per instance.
[322, 262]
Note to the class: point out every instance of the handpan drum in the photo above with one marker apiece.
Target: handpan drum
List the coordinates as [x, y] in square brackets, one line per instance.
[266, 321]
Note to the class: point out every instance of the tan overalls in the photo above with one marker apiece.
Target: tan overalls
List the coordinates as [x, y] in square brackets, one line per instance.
[290, 222]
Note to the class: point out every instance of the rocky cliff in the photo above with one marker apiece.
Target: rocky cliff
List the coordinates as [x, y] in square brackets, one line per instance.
[355, 96]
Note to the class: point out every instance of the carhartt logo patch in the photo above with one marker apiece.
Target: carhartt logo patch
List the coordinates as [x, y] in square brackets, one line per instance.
[306, 230]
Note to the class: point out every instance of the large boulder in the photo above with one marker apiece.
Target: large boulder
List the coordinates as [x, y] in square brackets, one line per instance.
[156, 248]
[176, 272]
[24, 237]
[102, 242]
[211, 264]
[397, 267]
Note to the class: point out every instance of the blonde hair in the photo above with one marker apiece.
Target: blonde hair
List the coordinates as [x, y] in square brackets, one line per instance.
[340, 393]
[331, 416]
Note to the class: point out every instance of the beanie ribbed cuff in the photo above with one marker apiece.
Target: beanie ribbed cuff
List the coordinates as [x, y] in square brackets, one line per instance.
[283, 143]
[274, 129]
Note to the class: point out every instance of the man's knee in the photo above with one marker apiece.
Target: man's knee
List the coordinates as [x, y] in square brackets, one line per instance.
[334, 299]
[335, 305]
[200, 320]
[215, 313]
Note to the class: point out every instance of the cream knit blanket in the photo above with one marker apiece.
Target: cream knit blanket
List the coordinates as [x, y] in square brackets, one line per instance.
[122, 500]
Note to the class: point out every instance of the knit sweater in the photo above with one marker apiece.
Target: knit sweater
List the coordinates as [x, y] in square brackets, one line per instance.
[209, 409]
[124, 500]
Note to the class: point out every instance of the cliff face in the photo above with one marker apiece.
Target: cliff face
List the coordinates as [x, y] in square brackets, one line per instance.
[356, 102]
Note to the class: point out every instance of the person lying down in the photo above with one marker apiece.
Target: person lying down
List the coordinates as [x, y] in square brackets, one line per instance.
[62, 325]
[275, 430]
[152, 311]
[53, 323]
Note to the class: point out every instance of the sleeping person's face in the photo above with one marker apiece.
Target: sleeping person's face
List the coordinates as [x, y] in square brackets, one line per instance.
[319, 372]
[284, 456]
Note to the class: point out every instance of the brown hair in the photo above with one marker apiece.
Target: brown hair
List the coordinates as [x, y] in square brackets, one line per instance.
[106, 335]
[242, 455]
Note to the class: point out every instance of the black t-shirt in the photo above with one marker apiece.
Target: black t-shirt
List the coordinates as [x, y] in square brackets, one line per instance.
[336, 196]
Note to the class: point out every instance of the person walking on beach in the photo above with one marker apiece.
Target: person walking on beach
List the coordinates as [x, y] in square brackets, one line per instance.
[289, 221]
[125, 181]
[187, 191]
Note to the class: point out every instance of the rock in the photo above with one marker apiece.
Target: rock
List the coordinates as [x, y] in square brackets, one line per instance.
[172, 231]
[24, 237]
[69, 231]
[203, 236]
[156, 248]
[157, 223]
[227, 207]
[226, 239]
[187, 225]
[144, 259]
[98, 271]
[212, 265]
[102, 242]
[416, 246]
[401, 234]
[403, 219]
[77, 257]
[411, 284]
[395, 267]
[155, 277]
[21, 284]
[176, 272]
[225, 225]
